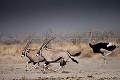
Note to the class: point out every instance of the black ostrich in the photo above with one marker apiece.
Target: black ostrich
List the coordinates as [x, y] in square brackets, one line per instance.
[103, 48]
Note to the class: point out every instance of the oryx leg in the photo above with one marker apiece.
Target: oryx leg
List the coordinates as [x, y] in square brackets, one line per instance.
[34, 65]
[58, 68]
[62, 65]
[38, 63]
[45, 66]
[28, 64]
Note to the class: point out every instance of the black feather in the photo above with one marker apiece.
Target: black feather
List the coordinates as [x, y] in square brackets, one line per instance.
[96, 47]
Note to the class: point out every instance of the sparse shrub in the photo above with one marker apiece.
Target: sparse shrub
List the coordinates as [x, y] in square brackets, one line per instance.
[73, 42]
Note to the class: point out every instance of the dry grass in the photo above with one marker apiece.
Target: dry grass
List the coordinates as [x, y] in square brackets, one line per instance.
[15, 49]
[9, 49]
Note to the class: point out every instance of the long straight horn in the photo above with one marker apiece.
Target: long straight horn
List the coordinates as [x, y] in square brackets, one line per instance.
[50, 40]
[29, 42]
[45, 43]
[38, 53]
[41, 46]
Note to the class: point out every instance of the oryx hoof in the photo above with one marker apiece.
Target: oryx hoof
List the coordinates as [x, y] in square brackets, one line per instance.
[105, 62]
[65, 72]
[36, 67]
[54, 70]
[44, 72]
[28, 69]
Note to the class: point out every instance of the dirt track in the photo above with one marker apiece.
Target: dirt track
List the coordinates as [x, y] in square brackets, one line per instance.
[87, 69]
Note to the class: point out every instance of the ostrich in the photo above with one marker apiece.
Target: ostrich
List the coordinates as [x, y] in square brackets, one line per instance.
[104, 48]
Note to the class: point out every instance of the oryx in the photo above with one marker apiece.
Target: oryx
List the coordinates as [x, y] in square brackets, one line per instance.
[31, 54]
[55, 55]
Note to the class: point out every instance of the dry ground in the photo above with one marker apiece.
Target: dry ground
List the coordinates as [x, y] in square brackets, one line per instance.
[13, 68]
[90, 67]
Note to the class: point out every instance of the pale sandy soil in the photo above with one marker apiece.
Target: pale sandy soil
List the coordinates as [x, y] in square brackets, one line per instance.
[13, 68]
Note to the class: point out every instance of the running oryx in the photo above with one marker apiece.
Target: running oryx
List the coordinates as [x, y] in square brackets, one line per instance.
[54, 56]
[31, 54]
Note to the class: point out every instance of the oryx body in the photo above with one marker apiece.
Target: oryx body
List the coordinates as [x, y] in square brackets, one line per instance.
[31, 54]
[55, 56]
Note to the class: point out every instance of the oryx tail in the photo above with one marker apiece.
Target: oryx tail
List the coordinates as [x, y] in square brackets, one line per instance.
[77, 54]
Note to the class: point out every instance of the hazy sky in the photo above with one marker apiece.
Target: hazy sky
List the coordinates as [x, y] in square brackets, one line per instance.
[38, 16]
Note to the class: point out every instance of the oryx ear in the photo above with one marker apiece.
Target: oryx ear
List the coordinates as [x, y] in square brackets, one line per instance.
[28, 50]
[38, 52]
